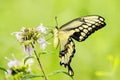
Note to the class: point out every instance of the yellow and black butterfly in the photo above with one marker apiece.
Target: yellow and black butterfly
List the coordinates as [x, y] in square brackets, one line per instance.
[78, 29]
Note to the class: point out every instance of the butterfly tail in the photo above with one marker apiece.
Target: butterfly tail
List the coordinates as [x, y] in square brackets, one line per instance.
[70, 71]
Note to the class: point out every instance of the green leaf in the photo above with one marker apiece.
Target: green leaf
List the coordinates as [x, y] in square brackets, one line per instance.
[60, 71]
[29, 57]
[29, 76]
[1, 68]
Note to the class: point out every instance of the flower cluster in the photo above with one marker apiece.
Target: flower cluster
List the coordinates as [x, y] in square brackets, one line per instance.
[17, 68]
[29, 36]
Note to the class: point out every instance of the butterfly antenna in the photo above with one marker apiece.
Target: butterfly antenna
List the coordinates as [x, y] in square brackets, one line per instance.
[56, 21]
[51, 31]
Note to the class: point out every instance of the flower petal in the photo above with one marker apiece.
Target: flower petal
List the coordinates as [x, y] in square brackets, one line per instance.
[41, 28]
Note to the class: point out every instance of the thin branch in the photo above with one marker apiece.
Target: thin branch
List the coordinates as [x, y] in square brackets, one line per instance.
[37, 57]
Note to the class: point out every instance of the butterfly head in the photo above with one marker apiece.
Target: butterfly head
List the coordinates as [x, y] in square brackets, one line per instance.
[56, 27]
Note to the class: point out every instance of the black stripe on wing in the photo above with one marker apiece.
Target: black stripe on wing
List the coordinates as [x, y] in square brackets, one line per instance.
[87, 28]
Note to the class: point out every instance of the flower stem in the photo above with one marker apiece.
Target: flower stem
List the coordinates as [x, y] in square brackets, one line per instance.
[37, 57]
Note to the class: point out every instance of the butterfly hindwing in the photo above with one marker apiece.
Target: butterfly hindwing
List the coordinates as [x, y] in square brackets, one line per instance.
[67, 48]
[66, 55]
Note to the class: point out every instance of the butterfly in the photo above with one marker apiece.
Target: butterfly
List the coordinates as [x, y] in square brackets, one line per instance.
[78, 29]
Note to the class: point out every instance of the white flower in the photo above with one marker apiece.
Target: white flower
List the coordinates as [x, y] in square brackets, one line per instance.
[42, 42]
[15, 67]
[28, 49]
[23, 29]
[41, 28]
[12, 63]
[29, 61]
[19, 36]
[9, 71]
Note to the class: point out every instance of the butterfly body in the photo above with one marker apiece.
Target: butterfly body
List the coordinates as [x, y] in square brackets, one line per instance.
[78, 29]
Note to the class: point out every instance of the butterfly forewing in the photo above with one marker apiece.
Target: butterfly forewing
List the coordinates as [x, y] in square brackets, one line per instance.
[83, 26]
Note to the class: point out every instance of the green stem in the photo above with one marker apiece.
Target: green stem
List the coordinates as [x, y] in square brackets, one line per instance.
[37, 57]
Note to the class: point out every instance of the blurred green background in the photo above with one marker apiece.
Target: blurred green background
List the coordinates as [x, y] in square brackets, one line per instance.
[97, 53]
